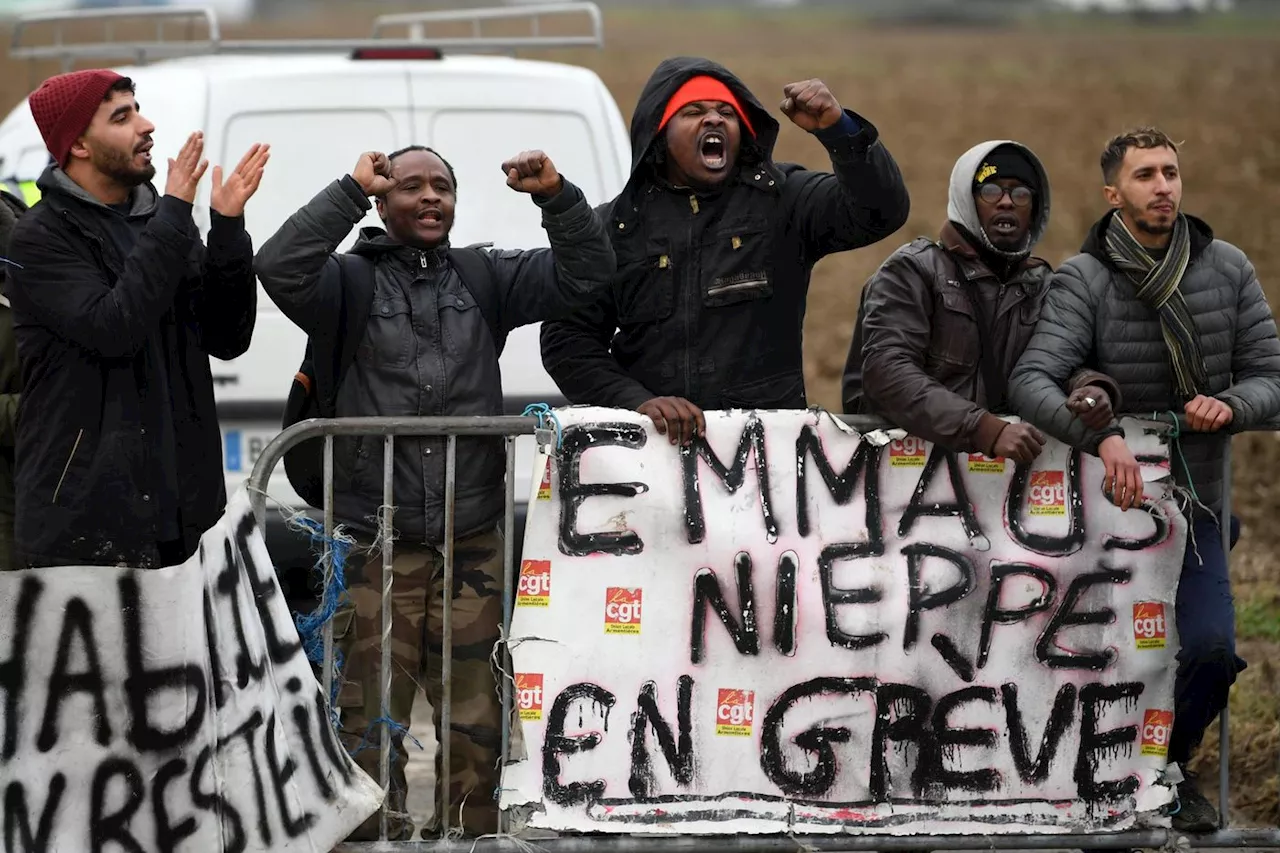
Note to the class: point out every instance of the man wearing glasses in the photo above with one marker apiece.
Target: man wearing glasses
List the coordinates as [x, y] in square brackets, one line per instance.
[942, 323]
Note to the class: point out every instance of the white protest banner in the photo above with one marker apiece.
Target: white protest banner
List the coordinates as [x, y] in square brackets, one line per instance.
[786, 627]
[167, 710]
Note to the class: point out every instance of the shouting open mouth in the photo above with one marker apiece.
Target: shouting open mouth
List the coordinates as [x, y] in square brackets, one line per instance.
[713, 151]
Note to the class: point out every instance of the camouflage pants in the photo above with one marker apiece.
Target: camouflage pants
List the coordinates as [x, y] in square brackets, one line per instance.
[417, 608]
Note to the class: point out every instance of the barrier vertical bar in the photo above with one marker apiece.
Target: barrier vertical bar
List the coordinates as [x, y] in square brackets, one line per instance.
[328, 567]
[508, 550]
[446, 649]
[1224, 730]
[384, 706]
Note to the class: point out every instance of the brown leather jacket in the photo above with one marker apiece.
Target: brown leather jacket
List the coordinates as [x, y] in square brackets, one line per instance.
[916, 353]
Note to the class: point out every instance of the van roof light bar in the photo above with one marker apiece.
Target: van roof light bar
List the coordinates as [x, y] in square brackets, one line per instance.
[204, 21]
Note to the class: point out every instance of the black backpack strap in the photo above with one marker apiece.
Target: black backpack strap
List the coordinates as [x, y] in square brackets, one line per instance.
[357, 278]
[992, 378]
[477, 276]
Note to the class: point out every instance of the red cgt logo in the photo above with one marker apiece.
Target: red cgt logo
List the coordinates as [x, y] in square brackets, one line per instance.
[1149, 630]
[529, 695]
[907, 452]
[735, 710]
[1047, 493]
[1157, 726]
[622, 610]
[534, 586]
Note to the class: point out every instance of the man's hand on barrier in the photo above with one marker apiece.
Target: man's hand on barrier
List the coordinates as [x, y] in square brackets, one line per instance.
[373, 174]
[1207, 414]
[1019, 442]
[1092, 406]
[229, 197]
[186, 170]
[1122, 482]
[675, 417]
[533, 172]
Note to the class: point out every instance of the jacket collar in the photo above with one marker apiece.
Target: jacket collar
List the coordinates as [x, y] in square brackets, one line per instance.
[971, 263]
[1096, 246]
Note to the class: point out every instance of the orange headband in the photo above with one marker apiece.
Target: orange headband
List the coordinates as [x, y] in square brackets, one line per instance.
[704, 88]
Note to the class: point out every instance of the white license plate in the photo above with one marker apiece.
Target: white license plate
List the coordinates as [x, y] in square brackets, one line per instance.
[242, 445]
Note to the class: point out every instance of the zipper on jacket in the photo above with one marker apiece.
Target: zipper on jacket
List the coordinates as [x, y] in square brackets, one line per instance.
[65, 468]
[696, 281]
[736, 286]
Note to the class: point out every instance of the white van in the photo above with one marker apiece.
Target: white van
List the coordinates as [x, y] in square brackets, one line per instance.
[320, 104]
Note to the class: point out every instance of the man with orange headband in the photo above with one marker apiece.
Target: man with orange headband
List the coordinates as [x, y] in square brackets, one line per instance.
[715, 244]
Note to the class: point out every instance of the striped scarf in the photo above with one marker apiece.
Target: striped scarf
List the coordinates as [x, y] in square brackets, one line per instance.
[1157, 286]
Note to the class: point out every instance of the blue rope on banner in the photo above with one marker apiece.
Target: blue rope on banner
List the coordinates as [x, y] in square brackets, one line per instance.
[546, 419]
[311, 625]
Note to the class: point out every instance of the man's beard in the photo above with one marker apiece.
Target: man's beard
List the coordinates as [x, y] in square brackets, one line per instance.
[1150, 226]
[119, 167]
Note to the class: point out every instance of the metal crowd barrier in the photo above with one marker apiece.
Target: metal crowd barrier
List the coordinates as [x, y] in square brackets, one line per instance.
[509, 428]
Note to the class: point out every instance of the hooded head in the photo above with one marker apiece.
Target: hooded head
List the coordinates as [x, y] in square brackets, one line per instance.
[1005, 221]
[695, 123]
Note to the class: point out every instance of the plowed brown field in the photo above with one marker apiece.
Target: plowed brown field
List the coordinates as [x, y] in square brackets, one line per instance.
[935, 93]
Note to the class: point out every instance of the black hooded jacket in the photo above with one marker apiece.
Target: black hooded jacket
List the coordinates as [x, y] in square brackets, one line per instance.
[709, 298]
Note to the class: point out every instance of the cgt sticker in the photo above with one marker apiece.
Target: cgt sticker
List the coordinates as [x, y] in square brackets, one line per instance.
[1047, 493]
[1157, 726]
[734, 712]
[544, 490]
[980, 463]
[1148, 624]
[907, 452]
[621, 610]
[529, 695]
[534, 589]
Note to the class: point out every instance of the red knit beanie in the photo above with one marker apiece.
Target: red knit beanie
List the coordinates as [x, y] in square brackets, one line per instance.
[703, 88]
[64, 105]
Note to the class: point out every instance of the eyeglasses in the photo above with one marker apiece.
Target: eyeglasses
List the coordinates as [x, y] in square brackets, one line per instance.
[992, 193]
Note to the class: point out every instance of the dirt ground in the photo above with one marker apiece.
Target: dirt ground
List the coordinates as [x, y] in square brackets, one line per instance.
[933, 94]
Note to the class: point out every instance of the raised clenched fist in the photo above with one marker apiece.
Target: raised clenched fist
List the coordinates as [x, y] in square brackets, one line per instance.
[373, 174]
[532, 172]
[810, 105]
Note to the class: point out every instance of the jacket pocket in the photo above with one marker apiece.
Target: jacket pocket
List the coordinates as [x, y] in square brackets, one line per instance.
[954, 347]
[646, 282]
[737, 263]
[462, 324]
[67, 468]
[389, 338]
[779, 391]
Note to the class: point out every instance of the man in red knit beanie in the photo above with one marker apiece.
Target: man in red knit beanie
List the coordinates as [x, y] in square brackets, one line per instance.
[117, 307]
